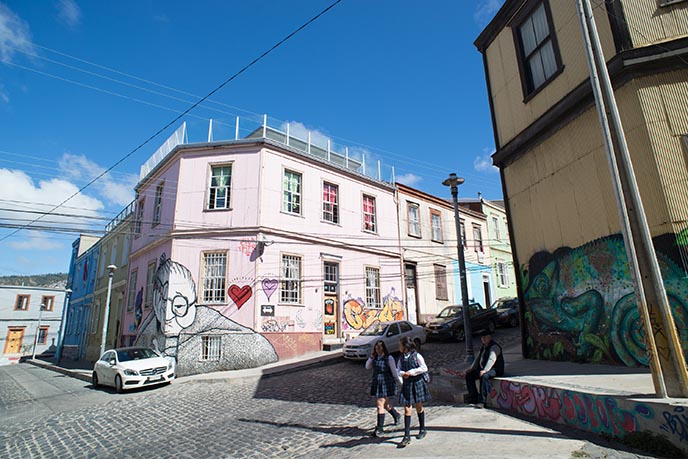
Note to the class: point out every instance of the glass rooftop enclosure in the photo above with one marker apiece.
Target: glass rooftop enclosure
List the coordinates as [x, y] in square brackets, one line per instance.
[293, 137]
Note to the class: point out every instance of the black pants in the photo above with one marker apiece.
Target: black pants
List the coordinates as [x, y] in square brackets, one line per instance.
[471, 377]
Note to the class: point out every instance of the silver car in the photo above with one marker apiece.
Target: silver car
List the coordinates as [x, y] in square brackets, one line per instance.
[130, 367]
[390, 333]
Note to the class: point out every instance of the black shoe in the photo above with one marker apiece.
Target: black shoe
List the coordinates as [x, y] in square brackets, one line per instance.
[378, 432]
[421, 435]
[405, 441]
[479, 405]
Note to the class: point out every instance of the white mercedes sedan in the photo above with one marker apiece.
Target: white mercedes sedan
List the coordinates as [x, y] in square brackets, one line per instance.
[130, 367]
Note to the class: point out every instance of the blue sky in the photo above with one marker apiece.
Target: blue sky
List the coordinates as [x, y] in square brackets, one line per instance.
[82, 84]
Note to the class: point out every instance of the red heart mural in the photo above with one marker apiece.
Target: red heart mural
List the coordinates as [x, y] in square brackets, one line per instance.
[240, 295]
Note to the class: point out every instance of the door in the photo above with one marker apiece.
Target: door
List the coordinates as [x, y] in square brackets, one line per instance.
[413, 308]
[15, 336]
[486, 289]
[331, 316]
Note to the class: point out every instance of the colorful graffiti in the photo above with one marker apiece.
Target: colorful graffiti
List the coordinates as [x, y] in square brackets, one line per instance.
[240, 295]
[357, 316]
[580, 304]
[676, 423]
[269, 286]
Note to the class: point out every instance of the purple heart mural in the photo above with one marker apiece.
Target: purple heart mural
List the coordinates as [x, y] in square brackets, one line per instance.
[269, 287]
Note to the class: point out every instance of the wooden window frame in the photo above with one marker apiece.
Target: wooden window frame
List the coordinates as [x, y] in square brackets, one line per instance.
[438, 214]
[441, 291]
[48, 301]
[16, 302]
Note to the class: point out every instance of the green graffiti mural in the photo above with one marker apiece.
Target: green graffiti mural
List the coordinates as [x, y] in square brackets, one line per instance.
[580, 304]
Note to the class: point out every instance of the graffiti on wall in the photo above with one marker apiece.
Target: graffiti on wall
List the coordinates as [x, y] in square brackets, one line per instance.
[277, 325]
[358, 316]
[269, 286]
[676, 423]
[177, 321]
[580, 304]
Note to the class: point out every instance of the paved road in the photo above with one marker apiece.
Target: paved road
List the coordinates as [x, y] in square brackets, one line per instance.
[314, 412]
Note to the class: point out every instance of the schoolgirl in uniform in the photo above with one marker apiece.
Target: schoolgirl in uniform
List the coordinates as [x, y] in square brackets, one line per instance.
[384, 384]
[414, 389]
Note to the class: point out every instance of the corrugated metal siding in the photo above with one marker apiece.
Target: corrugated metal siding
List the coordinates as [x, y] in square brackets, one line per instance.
[649, 23]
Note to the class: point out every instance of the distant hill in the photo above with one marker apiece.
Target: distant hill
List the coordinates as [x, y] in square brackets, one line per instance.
[56, 280]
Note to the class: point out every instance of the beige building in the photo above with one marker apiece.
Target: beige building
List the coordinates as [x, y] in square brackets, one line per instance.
[574, 281]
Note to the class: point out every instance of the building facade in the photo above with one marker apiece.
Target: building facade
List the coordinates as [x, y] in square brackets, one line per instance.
[574, 279]
[249, 251]
[29, 316]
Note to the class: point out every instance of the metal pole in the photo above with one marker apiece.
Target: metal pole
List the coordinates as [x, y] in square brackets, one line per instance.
[60, 333]
[453, 182]
[38, 330]
[106, 315]
[666, 359]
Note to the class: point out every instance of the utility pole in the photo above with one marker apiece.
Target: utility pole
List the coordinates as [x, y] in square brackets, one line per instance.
[665, 355]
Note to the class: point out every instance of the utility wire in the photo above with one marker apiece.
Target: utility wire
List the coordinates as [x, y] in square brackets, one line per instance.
[177, 118]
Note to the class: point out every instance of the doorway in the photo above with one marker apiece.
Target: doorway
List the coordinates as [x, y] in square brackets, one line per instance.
[15, 337]
[331, 316]
[413, 308]
[486, 289]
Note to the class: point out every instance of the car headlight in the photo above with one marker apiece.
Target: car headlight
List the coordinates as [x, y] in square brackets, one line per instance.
[129, 372]
[367, 346]
[169, 366]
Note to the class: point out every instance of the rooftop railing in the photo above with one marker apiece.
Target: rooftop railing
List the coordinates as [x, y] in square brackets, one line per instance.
[120, 217]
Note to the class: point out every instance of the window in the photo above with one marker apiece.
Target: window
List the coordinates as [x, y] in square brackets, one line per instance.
[125, 250]
[43, 335]
[537, 49]
[139, 217]
[22, 303]
[502, 274]
[95, 318]
[495, 225]
[220, 182]
[441, 283]
[211, 347]
[331, 277]
[113, 254]
[214, 277]
[372, 289]
[369, 217]
[290, 291]
[405, 327]
[131, 301]
[464, 242]
[48, 302]
[478, 238]
[436, 223]
[413, 219]
[330, 203]
[150, 278]
[158, 205]
[103, 262]
[291, 201]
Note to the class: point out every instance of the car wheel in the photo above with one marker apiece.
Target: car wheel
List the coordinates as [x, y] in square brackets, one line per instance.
[417, 343]
[460, 334]
[94, 379]
[118, 384]
[491, 326]
[513, 322]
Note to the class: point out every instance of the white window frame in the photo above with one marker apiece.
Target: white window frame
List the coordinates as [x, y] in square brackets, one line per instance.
[150, 279]
[157, 208]
[211, 348]
[436, 225]
[495, 225]
[372, 287]
[413, 223]
[291, 199]
[214, 187]
[291, 275]
[113, 253]
[131, 300]
[138, 221]
[371, 225]
[214, 265]
[478, 239]
[502, 273]
[330, 209]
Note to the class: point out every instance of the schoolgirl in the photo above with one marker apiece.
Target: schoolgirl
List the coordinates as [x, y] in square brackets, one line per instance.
[414, 389]
[383, 385]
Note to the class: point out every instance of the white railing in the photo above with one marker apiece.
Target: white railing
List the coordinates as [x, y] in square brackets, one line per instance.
[178, 137]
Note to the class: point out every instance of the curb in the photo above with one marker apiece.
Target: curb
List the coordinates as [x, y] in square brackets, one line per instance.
[84, 375]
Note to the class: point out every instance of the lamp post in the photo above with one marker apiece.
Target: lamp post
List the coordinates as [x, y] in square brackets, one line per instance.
[453, 183]
[38, 331]
[60, 334]
[106, 315]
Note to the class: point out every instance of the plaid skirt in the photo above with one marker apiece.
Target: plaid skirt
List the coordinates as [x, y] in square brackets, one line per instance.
[383, 386]
[414, 390]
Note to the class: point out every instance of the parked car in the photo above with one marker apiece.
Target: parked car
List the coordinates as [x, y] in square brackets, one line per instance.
[449, 322]
[130, 367]
[360, 347]
[507, 312]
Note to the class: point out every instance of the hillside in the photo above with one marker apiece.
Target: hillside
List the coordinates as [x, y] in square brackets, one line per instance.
[55, 280]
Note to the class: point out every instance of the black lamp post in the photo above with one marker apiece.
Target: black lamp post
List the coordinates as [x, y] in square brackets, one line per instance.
[453, 183]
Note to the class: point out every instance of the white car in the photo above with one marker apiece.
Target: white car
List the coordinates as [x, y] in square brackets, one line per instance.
[360, 347]
[130, 367]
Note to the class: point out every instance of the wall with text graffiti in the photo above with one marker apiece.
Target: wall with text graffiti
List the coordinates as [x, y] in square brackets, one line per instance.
[579, 303]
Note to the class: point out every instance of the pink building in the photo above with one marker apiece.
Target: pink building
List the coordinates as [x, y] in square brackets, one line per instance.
[249, 251]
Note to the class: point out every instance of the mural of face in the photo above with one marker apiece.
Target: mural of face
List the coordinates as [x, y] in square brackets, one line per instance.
[174, 297]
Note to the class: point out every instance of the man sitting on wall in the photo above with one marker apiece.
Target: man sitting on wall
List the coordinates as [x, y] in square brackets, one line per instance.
[488, 364]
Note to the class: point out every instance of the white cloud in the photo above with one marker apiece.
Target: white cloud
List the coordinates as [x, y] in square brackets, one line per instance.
[15, 35]
[485, 11]
[3, 95]
[69, 12]
[409, 179]
[79, 168]
[297, 129]
[483, 163]
[36, 242]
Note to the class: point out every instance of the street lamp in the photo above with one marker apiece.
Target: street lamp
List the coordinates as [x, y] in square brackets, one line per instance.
[106, 315]
[60, 334]
[453, 183]
[38, 330]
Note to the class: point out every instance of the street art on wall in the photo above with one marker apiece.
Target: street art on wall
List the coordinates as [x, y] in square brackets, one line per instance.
[269, 286]
[277, 324]
[357, 316]
[580, 303]
[240, 295]
[177, 322]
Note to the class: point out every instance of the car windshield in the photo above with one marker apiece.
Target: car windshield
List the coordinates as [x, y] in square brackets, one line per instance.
[124, 355]
[450, 311]
[376, 329]
[502, 303]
